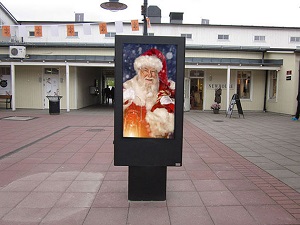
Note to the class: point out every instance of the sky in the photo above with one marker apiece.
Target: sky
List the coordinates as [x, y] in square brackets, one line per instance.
[282, 13]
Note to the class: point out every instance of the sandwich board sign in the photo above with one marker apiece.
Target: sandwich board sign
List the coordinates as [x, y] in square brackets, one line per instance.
[235, 100]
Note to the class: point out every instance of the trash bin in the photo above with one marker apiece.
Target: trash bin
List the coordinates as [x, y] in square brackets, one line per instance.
[54, 104]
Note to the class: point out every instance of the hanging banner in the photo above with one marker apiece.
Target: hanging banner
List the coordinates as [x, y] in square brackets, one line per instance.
[54, 31]
[6, 31]
[148, 22]
[119, 26]
[70, 30]
[103, 28]
[135, 25]
[22, 31]
[38, 31]
[87, 29]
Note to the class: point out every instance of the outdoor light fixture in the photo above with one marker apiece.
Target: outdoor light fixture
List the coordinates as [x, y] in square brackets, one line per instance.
[113, 5]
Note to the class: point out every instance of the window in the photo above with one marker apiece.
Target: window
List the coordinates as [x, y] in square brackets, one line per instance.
[51, 70]
[110, 34]
[189, 36]
[223, 37]
[244, 84]
[150, 34]
[31, 34]
[4, 71]
[272, 84]
[259, 38]
[294, 39]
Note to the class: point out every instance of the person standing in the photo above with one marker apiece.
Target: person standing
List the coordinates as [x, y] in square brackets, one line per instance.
[296, 118]
[107, 94]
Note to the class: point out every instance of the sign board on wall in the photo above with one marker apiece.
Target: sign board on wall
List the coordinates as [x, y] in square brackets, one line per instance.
[222, 86]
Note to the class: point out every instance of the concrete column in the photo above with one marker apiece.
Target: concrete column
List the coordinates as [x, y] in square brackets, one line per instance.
[13, 86]
[68, 86]
[228, 88]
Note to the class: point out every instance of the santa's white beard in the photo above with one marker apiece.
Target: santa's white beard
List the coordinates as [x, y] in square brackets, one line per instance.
[149, 92]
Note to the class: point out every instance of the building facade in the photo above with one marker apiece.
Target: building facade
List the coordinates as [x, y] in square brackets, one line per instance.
[260, 64]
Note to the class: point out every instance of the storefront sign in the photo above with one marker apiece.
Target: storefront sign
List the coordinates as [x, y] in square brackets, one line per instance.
[223, 86]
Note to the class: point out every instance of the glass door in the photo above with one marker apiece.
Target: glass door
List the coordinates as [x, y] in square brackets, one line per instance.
[196, 93]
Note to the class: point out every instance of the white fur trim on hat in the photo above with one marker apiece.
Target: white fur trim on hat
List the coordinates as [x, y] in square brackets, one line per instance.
[146, 60]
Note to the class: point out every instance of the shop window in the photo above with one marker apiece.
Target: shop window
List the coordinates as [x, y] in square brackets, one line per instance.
[51, 70]
[244, 84]
[272, 84]
[4, 71]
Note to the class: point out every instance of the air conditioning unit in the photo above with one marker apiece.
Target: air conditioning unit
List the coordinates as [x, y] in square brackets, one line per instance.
[17, 52]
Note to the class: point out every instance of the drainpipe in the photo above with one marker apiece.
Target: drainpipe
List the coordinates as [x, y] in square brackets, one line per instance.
[266, 82]
[265, 96]
[13, 86]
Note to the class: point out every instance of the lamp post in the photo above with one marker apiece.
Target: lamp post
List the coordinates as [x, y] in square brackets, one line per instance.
[115, 5]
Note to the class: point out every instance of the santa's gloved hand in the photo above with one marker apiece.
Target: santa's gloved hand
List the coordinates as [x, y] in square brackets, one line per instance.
[165, 100]
[128, 94]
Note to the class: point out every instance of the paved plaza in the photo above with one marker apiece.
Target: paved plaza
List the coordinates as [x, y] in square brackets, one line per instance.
[58, 170]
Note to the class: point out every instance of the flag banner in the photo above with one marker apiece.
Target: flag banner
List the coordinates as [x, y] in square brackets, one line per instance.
[119, 26]
[103, 28]
[148, 22]
[70, 30]
[6, 31]
[38, 31]
[135, 25]
[22, 31]
[54, 31]
[87, 29]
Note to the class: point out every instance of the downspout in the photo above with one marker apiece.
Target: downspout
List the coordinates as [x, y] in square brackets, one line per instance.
[266, 82]
[265, 96]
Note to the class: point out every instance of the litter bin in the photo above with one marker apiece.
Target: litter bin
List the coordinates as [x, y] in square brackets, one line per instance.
[54, 104]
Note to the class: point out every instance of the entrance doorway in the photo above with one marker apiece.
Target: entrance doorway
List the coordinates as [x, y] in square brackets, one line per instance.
[108, 81]
[196, 94]
[51, 84]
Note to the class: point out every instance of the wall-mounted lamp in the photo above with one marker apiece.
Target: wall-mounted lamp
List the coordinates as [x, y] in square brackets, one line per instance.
[40, 79]
[61, 80]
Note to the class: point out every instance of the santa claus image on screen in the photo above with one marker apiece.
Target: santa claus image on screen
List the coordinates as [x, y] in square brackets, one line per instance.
[149, 98]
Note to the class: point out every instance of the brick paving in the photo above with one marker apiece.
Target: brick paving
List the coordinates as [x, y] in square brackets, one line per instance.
[58, 169]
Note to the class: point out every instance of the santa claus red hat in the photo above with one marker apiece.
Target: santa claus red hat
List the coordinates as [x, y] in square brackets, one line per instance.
[155, 59]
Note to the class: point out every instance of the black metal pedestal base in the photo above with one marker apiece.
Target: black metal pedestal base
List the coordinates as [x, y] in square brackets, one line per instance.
[147, 183]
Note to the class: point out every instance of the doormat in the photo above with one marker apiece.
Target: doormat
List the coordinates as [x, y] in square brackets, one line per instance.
[19, 118]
